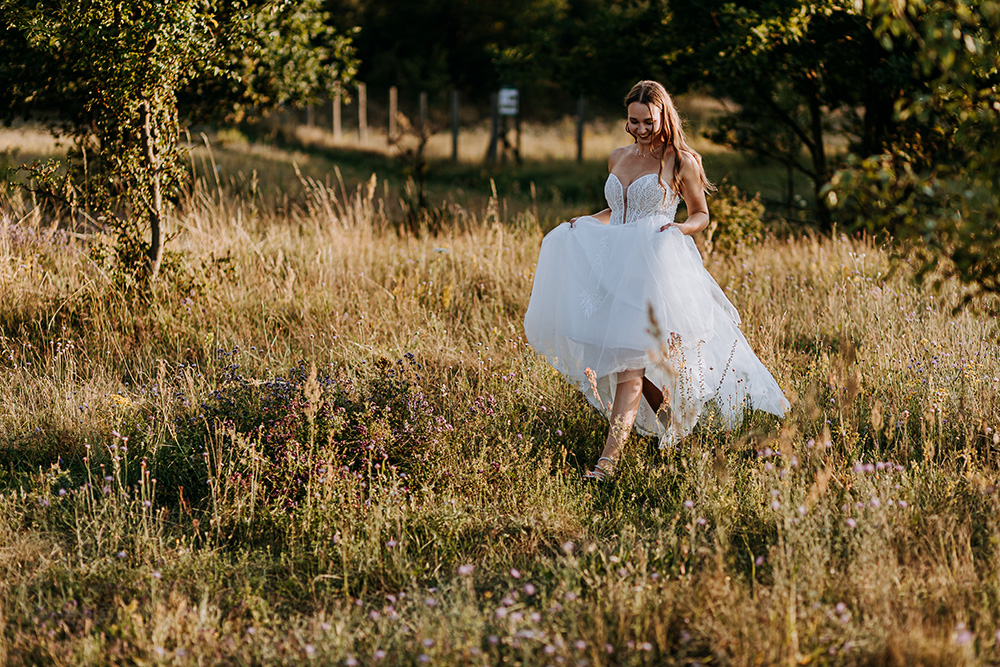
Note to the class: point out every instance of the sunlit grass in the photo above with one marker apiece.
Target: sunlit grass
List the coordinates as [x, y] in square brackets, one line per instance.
[320, 439]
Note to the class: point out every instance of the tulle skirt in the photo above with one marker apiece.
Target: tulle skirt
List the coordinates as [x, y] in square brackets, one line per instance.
[611, 298]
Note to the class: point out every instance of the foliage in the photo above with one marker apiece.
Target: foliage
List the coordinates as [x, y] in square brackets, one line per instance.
[737, 221]
[935, 182]
[274, 53]
[109, 73]
[553, 50]
[798, 76]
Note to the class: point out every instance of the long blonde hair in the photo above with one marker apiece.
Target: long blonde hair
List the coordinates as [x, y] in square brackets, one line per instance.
[652, 94]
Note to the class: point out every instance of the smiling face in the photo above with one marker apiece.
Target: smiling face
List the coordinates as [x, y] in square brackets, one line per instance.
[644, 122]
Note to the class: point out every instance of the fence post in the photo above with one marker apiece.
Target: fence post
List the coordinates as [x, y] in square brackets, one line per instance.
[454, 126]
[336, 116]
[491, 153]
[310, 115]
[423, 112]
[393, 109]
[362, 113]
[580, 108]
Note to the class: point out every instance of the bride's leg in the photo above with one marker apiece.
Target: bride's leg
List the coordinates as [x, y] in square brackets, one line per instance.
[623, 411]
[652, 394]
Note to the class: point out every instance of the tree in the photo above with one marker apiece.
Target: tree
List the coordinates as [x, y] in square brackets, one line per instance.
[934, 183]
[796, 73]
[110, 73]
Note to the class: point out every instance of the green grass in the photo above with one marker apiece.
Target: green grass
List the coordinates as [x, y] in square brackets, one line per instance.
[320, 439]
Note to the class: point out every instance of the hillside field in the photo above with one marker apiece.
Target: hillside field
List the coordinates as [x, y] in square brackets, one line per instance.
[323, 439]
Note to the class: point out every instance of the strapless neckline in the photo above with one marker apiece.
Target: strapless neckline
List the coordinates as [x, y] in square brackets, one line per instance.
[625, 188]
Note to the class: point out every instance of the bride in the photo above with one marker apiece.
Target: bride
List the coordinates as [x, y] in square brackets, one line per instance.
[623, 307]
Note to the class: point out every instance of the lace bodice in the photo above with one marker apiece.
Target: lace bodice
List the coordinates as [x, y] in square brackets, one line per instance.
[644, 197]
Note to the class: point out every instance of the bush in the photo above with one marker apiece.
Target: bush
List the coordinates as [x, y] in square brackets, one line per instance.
[737, 221]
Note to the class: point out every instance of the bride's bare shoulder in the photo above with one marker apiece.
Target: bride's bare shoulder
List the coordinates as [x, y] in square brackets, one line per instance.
[616, 155]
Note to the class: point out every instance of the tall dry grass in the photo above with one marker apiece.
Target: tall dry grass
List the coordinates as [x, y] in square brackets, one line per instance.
[318, 439]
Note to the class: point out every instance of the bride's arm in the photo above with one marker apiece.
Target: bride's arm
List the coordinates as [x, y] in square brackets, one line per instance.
[694, 198]
[603, 216]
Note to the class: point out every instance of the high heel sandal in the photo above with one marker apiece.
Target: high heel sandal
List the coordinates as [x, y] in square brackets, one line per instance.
[601, 473]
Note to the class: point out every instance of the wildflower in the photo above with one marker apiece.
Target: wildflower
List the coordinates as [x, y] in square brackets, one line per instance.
[962, 635]
[570, 595]
[904, 504]
[579, 644]
[689, 504]
[374, 615]
[758, 561]
[493, 640]
[157, 575]
[465, 570]
[645, 646]
[567, 546]
[423, 657]
[515, 573]
[350, 662]
[529, 589]
[609, 649]
[775, 505]
[851, 523]
[428, 642]
[391, 543]
[122, 554]
[379, 654]
[430, 602]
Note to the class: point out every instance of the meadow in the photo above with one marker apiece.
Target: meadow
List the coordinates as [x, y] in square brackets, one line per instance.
[323, 438]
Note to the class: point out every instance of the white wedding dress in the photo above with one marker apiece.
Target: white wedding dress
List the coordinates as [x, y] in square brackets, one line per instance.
[598, 290]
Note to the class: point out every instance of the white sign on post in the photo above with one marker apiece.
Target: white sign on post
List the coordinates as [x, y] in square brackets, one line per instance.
[507, 102]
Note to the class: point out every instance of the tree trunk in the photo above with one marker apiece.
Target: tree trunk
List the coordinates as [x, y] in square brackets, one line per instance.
[818, 151]
[155, 253]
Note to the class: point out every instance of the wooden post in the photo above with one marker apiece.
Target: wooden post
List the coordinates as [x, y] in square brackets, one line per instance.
[422, 111]
[362, 113]
[580, 108]
[393, 112]
[310, 116]
[454, 126]
[336, 117]
[491, 152]
[517, 129]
